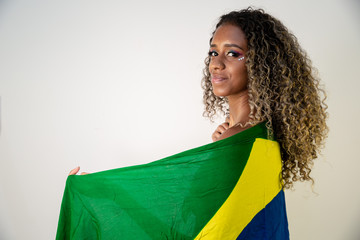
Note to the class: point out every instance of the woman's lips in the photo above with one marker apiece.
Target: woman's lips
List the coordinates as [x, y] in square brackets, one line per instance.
[218, 79]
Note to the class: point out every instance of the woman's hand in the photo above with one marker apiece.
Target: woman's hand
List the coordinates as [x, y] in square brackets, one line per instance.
[76, 170]
[220, 130]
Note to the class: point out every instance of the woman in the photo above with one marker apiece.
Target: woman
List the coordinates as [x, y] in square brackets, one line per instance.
[258, 75]
[268, 77]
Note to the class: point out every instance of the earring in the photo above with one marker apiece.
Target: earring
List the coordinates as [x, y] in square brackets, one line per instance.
[242, 58]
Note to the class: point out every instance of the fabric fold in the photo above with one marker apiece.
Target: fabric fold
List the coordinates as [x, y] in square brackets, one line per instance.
[172, 198]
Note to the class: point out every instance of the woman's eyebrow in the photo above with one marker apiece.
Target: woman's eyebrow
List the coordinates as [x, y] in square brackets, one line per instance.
[228, 45]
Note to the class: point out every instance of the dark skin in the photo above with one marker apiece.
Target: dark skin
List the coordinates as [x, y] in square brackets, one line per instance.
[229, 79]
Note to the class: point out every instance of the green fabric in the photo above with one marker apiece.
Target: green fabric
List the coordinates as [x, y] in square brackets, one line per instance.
[172, 198]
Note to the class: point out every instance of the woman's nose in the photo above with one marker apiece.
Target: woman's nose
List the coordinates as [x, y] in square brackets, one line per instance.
[216, 63]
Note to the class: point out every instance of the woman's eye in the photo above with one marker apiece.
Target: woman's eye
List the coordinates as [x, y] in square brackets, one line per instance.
[231, 53]
[212, 54]
[234, 54]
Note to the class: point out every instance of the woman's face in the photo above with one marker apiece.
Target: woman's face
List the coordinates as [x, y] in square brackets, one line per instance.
[227, 61]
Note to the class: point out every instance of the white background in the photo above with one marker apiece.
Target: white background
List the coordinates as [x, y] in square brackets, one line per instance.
[106, 84]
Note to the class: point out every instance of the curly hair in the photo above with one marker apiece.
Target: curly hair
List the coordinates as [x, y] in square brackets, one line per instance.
[283, 91]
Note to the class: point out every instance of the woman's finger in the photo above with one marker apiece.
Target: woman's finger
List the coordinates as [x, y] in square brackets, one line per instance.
[215, 136]
[225, 125]
[84, 173]
[220, 129]
[74, 171]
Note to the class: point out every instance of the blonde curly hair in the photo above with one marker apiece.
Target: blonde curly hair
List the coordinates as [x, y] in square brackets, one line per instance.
[283, 91]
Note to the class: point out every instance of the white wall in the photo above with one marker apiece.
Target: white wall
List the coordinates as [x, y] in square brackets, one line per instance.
[89, 83]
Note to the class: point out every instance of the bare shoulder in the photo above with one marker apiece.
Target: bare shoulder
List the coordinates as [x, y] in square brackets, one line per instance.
[232, 131]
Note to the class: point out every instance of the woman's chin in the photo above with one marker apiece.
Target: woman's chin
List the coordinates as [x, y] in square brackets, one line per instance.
[220, 93]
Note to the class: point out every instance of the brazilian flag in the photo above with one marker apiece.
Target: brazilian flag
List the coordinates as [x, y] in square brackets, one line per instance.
[229, 189]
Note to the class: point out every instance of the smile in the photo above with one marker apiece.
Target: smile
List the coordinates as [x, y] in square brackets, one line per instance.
[217, 79]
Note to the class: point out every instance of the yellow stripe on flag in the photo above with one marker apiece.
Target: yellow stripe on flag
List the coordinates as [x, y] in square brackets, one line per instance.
[257, 186]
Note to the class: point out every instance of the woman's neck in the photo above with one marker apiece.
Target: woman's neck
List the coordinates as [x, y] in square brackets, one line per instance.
[239, 109]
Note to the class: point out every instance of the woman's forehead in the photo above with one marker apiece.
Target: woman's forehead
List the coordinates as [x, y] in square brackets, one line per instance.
[229, 34]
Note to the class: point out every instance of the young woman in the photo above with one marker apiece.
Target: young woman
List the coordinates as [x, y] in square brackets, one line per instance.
[257, 70]
[259, 77]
